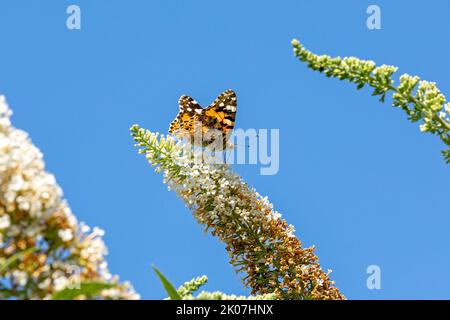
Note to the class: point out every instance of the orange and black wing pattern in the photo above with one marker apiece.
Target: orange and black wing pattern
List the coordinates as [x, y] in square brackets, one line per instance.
[219, 116]
[190, 112]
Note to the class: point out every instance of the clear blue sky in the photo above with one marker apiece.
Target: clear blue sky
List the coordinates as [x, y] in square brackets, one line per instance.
[356, 178]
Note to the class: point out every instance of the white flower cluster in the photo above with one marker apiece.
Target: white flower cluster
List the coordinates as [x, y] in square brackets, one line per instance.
[435, 103]
[186, 291]
[421, 100]
[218, 295]
[36, 221]
[260, 243]
[227, 197]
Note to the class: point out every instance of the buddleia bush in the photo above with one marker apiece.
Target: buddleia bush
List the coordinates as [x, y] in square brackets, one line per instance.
[45, 252]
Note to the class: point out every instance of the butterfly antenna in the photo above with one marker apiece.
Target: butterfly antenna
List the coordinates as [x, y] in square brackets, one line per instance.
[247, 145]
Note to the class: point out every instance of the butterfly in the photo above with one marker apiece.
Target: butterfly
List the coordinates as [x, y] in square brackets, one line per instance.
[214, 124]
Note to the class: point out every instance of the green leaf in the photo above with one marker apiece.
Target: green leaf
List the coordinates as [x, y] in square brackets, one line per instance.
[14, 258]
[88, 289]
[170, 289]
[5, 293]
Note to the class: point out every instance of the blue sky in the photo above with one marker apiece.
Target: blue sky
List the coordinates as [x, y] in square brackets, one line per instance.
[356, 178]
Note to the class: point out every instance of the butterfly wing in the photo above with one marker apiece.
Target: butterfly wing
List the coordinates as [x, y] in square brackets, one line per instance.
[222, 112]
[218, 117]
[190, 112]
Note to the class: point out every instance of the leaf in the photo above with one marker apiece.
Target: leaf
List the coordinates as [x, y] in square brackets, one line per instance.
[14, 258]
[5, 293]
[170, 289]
[376, 92]
[87, 288]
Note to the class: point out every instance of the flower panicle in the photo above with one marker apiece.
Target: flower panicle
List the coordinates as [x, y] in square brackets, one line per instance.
[261, 245]
[43, 247]
[187, 290]
[189, 287]
[420, 99]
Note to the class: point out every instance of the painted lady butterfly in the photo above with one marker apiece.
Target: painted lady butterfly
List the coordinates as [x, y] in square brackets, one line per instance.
[217, 120]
